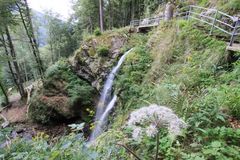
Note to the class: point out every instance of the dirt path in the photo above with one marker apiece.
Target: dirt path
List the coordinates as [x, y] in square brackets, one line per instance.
[16, 113]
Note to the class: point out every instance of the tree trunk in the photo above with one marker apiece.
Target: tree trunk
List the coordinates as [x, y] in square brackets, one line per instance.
[133, 9]
[30, 33]
[169, 11]
[4, 93]
[111, 16]
[25, 71]
[9, 63]
[15, 64]
[101, 15]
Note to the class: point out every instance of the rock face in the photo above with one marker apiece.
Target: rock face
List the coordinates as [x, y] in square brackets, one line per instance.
[89, 65]
[63, 96]
[70, 87]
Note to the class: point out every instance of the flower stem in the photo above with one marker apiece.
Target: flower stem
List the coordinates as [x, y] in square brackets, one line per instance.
[157, 139]
[130, 151]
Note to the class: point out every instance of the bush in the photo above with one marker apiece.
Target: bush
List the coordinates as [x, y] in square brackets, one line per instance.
[103, 51]
[97, 32]
[132, 73]
[232, 100]
[72, 146]
[42, 112]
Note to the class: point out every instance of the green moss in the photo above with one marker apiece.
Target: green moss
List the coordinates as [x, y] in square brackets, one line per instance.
[41, 112]
[63, 95]
[103, 51]
[92, 52]
[97, 32]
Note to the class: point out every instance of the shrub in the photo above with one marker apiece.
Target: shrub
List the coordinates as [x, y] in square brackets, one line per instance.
[103, 51]
[41, 112]
[232, 100]
[97, 32]
[72, 146]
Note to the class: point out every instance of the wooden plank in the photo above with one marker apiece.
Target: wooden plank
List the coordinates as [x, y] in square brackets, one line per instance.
[235, 47]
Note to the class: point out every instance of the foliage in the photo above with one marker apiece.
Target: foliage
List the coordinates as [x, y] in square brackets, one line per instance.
[232, 6]
[3, 94]
[176, 66]
[61, 40]
[131, 75]
[68, 147]
[63, 95]
[191, 76]
[232, 100]
[77, 88]
[103, 51]
[116, 13]
[39, 111]
[97, 32]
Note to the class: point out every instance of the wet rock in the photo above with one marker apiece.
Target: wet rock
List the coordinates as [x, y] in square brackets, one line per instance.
[93, 68]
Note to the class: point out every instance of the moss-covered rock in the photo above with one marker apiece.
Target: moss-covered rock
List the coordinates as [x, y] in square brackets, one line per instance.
[63, 96]
[94, 59]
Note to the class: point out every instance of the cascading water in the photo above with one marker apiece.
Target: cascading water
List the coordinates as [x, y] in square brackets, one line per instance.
[107, 101]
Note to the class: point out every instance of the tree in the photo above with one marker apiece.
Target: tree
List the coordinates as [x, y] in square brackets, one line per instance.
[111, 13]
[61, 40]
[3, 90]
[8, 19]
[15, 63]
[26, 19]
[4, 93]
[85, 17]
[101, 15]
[14, 76]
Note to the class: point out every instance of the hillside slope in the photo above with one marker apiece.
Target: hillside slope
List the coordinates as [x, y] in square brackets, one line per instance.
[176, 66]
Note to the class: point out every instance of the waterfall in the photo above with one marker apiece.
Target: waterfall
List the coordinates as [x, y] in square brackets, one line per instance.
[107, 101]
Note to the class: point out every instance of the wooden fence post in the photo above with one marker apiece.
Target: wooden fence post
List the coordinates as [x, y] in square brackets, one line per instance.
[214, 22]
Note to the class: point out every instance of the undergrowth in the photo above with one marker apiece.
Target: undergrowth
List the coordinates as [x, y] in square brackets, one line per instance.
[174, 66]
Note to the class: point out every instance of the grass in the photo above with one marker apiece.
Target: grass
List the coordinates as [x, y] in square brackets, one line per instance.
[186, 74]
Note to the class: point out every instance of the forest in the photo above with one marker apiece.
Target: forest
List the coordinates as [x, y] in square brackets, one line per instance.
[120, 80]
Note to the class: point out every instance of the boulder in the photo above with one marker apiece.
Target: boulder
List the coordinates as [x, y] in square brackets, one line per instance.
[62, 96]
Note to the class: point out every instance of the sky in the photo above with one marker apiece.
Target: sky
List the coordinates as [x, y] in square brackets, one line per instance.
[62, 7]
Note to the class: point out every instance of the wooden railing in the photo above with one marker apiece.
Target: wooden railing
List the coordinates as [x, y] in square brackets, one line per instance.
[216, 20]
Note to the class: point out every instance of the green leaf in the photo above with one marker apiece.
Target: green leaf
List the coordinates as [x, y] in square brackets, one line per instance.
[216, 144]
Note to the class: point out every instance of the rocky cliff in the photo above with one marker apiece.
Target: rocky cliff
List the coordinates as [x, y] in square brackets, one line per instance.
[71, 87]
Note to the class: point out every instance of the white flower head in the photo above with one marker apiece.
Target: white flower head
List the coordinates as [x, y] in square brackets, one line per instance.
[151, 131]
[137, 133]
[151, 119]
